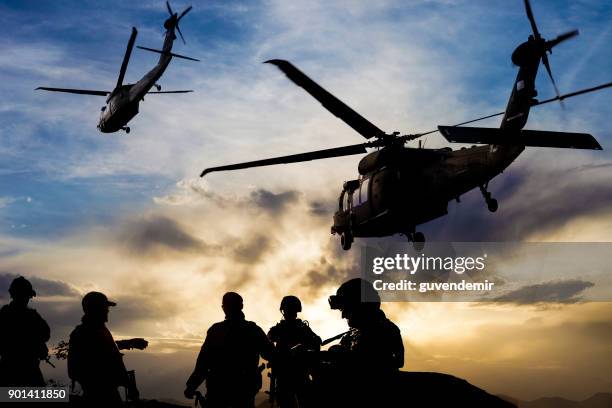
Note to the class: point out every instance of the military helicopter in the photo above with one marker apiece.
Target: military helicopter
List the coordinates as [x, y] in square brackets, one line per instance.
[122, 102]
[402, 187]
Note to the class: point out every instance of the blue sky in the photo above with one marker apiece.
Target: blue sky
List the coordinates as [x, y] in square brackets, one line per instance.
[127, 214]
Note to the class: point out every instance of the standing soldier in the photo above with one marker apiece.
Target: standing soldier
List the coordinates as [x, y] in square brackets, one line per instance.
[366, 362]
[23, 334]
[229, 359]
[94, 359]
[289, 380]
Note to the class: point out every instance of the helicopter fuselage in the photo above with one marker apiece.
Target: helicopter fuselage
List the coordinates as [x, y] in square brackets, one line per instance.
[391, 197]
[122, 103]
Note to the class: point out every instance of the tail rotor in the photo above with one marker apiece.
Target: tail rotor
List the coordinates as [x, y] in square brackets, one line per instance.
[173, 21]
[546, 46]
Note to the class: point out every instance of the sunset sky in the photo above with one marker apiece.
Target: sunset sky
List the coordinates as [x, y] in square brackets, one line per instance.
[127, 214]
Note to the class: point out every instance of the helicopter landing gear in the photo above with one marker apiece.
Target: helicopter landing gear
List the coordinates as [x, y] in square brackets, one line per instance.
[492, 204]
[126, 129]
[417, 239]
[346, 240]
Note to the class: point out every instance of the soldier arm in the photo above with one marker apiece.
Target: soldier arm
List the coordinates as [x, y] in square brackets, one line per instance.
[265, 345]
[273, 333]
[397, 347]
[75, 357]
[314, 341]
[202, 365]
[44, 329]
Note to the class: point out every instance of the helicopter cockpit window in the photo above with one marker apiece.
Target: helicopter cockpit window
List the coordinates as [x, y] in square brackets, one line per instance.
[363, 191]
[355, 196]
[345, 201]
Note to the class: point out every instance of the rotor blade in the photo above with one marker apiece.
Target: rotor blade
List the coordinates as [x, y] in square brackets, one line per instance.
[179, 31]
[169, 92]
[547, 65]
[571, 94]
[294, 158]
[184, 12]
[561, 38]
[531, 19]
[74, 91]
[169, 8]
[126, 57]
[329, 101]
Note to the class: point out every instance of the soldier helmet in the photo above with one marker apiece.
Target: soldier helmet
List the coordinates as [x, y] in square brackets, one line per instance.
[20, 286]
[291, 304]
[353, 293]
[232, 300]
[95, 301]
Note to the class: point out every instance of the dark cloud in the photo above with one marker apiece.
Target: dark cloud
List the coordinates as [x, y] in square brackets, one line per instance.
[562, 291]
[274, 202]
[321, 209]
[148, 304]
[545, 206]
[336, 265]
[251, 250]
[61, 316]
[151, 233]
[43, 287]
[587, 167]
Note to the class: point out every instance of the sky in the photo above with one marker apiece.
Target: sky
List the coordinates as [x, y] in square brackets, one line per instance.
[127, 214]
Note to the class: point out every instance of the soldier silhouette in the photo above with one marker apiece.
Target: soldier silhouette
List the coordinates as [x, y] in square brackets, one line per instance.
[364, 366]
[290, 382]
[23, 334]
[94, 359]
[229, 359]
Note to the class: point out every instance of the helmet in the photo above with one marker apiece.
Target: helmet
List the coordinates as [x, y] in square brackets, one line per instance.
[354, 292]
[95, 301]
[20, 286]
[232, 301]
[291, 304]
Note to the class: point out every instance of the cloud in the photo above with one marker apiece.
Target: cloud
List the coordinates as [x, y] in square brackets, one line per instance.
[562, 291]
[196, 191]
[528, 204]
[273, 202]
[42, 286]
[251, 251]
[6, 201]
[333, 266]
[153, 232]
[321, 208]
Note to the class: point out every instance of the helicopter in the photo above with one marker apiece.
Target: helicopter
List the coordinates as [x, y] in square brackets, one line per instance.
[401, 187]
[122, 102]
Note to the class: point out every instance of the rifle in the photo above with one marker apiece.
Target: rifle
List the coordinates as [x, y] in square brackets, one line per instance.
[272, 392]
[336, 337]
[48, 361]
